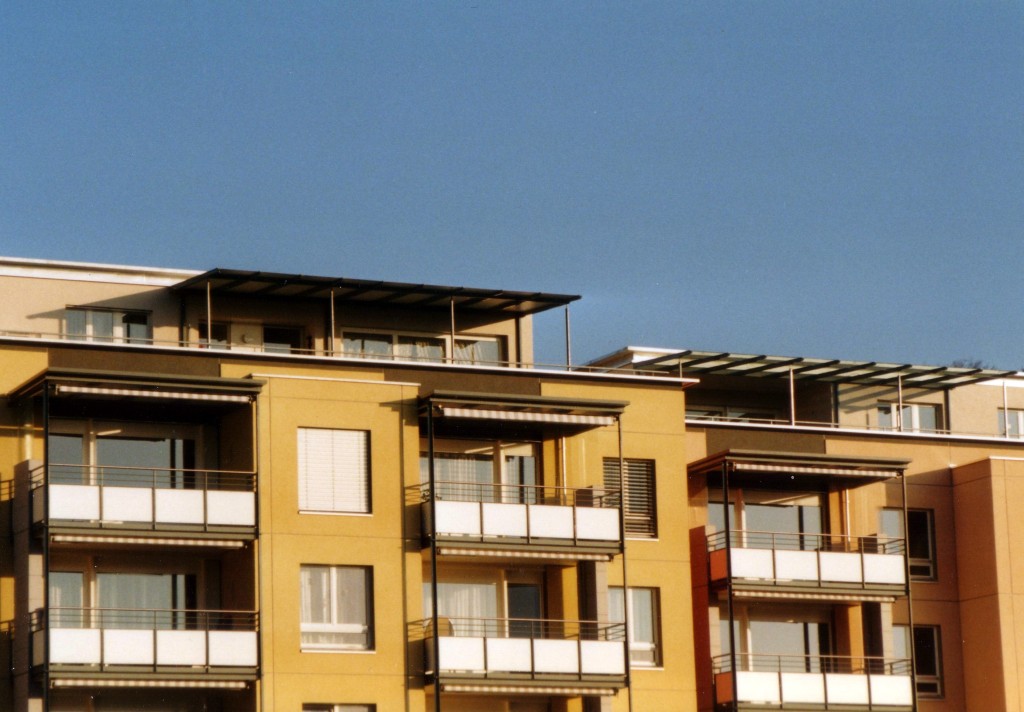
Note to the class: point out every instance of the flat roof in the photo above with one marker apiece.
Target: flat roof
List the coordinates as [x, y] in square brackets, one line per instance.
[344, 289]
[723, 363]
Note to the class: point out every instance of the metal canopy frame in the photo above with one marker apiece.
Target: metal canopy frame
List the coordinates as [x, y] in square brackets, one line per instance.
[341, 289]
[160, 385]
[700, 363]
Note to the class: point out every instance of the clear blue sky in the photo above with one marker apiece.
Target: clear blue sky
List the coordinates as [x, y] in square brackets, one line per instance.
[835, 179]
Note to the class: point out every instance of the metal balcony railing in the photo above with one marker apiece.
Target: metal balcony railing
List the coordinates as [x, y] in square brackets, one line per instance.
[793, 663]
[196, 642]
[519, 494]
[144, 498]
[788, 541]
[547, 629]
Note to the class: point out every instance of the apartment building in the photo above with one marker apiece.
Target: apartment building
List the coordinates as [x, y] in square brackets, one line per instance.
[233, 491]
[854, 527]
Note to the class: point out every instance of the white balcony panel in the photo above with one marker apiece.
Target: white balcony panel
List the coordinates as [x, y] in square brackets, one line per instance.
[505, 520]
[233, 648]
[556, 656]
[803, 688]
[550, 522]
[596, 524]
[75, 646]
[461, 654]
[840, 567]
[893, 690]
[128, 647]
[127, 504]
[752, 563]
[884, 568]
[758, 687]
[75, 502]
[231, 509]
[796, 565]
[602, 657]
[461, 518]
[179, 506]
[843, 689]
[180, 647]
[508, 655]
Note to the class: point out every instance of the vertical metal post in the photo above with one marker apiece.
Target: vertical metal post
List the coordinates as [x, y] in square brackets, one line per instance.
[899, 402]
[792, 397]
[333, 327]
[435, 623]
[910, 597]
[46, 545]
[625, 580]
[209, 315]
[1006, 411]
[451, 355]
[728, 581]
[568, 341]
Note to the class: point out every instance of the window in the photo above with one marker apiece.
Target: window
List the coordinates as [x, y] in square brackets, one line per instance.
[927, 656]
[107, 325]
[336, 607]
[334, 470]
[920, 534]
[423, 347]
[639, 503]
[282, 339]
[215, 337]
[338, 708]
[466, 607]
[914, 418]
[643, 633]
[483, 471]
[1011, 422]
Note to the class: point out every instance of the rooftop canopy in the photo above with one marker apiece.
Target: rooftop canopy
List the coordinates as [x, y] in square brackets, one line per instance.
[703, 363]
[299, 286]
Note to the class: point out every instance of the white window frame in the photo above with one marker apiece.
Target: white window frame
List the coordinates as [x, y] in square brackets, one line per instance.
[394, 336]
[117, 335]
[1014, 417]
[336, 625]
[649, 649]
[928, 686]
[899, 422]
[334, 471]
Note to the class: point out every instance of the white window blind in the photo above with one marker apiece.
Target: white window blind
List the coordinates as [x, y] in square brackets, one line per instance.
[334, 470]
[639, 498]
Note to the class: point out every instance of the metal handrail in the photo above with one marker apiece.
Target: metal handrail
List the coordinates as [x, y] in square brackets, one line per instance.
[150, 477]
[543, 628]
[520, 494]
[790, 541]
[785, 662]
[144, 619]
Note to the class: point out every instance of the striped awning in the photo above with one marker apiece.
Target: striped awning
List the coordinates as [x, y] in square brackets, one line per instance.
[529, 690]
[146, 393]
[523, 416]
[180, 684]
[811, 470]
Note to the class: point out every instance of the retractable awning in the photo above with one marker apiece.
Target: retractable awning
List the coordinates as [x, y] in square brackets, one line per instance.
[796, 470]
[514, 408]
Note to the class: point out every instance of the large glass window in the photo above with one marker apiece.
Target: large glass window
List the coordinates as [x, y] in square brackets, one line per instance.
[920, 539]
[1011, 422]
[913, 418]
[464, 608]
[781, 638]
[334, 470]
[107, 325]
[643, 633]
[638, 501]
[282, 339]
[483, 471]
[927, 656]
[336, 607]
[423, 347]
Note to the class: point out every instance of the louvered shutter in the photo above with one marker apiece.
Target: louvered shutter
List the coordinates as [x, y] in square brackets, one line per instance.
[334, 470]
[639, 500]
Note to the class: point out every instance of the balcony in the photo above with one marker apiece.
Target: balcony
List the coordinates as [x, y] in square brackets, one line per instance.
[800, 682]
[470, 517]
[574, 654]
[799, 563]
[151, 500]
[136, 644]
